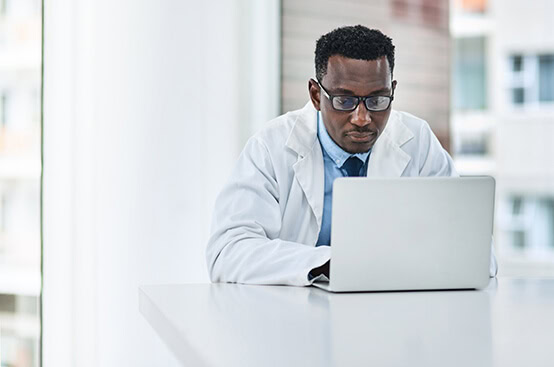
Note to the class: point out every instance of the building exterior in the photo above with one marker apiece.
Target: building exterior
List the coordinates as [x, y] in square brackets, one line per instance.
[503, 120]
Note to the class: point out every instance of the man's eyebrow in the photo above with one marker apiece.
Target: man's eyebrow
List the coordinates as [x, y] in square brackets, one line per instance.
[380, 91]
[341, 91]
[344, 91]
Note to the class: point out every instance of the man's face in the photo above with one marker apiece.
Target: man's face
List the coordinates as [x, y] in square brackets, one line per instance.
[355, 131]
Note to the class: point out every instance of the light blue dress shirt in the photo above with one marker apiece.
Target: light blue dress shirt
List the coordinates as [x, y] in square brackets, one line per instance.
[333, 159]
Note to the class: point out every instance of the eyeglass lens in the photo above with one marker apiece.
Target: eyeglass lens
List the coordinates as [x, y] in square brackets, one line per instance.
[349, 103]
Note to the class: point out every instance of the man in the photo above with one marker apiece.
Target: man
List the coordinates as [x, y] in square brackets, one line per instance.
[272, 221]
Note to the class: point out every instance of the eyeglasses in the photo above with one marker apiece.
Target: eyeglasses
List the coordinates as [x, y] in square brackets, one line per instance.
[350, 103]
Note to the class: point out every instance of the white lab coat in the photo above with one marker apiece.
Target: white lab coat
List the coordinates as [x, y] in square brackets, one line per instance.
[267, 218]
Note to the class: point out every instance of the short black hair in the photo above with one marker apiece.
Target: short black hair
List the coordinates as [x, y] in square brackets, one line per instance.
[354, 42]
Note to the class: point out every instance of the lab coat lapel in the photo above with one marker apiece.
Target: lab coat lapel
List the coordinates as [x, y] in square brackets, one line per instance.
[309, 169]
[387, 158]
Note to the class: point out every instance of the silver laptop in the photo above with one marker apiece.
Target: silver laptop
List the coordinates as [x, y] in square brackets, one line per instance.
[412, 233]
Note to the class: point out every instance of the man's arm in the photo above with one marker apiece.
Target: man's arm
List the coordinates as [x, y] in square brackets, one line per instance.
[244, 246]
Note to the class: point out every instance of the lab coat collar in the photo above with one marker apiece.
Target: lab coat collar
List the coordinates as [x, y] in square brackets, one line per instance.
[309, 169]
[303, 136]
[388, 159]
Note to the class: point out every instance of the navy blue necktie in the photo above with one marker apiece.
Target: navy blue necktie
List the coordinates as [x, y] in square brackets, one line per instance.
[353, 166]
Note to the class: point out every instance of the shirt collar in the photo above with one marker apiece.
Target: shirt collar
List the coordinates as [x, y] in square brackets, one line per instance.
[336, 153]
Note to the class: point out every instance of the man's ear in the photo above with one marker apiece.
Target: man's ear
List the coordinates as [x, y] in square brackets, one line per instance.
[315, 93]
[394, 82]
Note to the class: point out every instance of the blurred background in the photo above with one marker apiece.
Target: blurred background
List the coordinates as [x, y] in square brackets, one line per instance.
[20, 87]
[148, 104]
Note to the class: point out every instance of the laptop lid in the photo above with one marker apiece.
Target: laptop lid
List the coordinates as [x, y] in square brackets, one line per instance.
[411, 233]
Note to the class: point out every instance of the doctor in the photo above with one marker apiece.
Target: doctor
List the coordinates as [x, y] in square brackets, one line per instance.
[272, 220]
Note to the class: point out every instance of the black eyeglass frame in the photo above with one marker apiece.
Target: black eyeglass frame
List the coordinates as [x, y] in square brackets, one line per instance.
[359, 99]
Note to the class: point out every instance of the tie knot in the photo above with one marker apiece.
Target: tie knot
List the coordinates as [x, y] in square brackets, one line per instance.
[353, 166]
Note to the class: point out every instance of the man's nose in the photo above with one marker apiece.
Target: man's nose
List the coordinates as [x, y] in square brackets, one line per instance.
[361, 115]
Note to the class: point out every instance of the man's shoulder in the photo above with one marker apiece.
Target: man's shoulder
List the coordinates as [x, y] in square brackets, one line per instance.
[278, 130]
[280, 126]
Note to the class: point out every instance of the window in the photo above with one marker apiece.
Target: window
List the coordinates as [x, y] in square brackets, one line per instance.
[3, 109]
[469, 79]
[546, 78]
[3, 7]
[531, 79]
[529, 224]
[473, 144]
[517, 63]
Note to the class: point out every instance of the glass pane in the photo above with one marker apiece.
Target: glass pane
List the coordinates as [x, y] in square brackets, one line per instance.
[546, 78]
[518, 95]
[473, 145]
[469, 79]
[517, 63]
[20, 83]
[516, 210]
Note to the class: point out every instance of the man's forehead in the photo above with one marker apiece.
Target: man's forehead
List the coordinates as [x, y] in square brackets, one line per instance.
[340, 66]
[344, 72]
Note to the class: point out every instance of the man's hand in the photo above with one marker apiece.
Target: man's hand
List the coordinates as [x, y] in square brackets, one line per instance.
[323, 269]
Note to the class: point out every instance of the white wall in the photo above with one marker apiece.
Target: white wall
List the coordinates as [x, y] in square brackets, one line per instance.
[144, 116]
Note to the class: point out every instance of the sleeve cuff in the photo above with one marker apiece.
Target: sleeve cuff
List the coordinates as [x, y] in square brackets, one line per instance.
[322, 254]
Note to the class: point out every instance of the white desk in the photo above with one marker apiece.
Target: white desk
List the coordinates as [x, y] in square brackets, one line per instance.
[511, 323]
